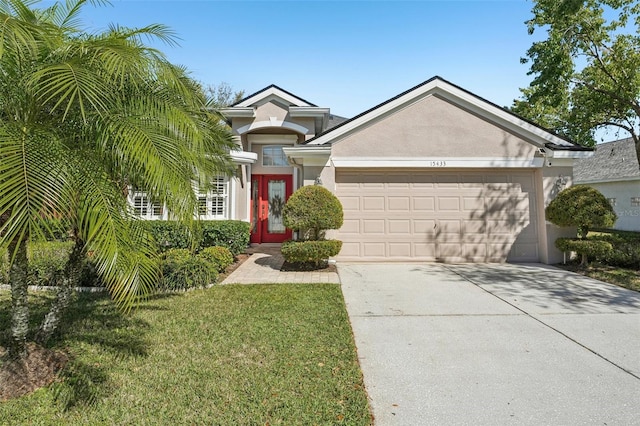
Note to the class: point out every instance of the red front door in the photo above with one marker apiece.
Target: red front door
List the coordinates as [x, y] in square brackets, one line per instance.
[268, 195]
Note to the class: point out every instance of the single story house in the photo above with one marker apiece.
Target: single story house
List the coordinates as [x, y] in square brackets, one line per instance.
[435, 173]
[614, 171]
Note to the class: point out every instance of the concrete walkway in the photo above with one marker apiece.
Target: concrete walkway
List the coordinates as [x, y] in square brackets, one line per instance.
[263, 267]
[494, 345]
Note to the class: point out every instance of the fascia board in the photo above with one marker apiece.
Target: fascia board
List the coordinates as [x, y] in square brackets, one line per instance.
[238, 112]
[551, 153]
[631, 180]
[272, 92]
[243, 157]
[527, 131]
[308, 111]
[438, 162]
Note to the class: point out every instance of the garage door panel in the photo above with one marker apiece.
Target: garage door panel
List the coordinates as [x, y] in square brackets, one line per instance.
[373, 226]
[373, 249]
[350, 226]
[451, 204]
[399, 226]
[421, 203]
[400, 250]
[399, 203]
[350, 203]
[372, 203]
[424, 227]
[471, 227]
[438, 215]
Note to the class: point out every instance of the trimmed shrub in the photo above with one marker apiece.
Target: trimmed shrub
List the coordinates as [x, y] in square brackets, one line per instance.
[313, 252]
[169, 234]
[47, 261]
[311, 210]
[232, 234]
[221, 257]
[626, 248]
[588, 249]
[181, 270]
[583, 207]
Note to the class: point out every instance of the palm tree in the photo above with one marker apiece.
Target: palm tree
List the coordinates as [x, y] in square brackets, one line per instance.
[82, 118]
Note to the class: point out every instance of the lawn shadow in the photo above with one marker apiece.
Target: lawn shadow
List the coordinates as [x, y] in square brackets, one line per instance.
[92, 324]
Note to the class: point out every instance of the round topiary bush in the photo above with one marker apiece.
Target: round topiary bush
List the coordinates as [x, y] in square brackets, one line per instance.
[311, 210]
[313, 253]
[583, 207]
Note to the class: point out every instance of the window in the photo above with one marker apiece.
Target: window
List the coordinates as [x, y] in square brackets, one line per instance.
[143, 206]
[612, 201]
[213, 205]
[635, 201]
[273, 156]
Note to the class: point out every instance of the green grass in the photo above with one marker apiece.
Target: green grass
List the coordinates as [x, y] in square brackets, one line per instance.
[229, 355]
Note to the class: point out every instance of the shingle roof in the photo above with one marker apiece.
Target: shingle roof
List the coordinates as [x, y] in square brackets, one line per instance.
[611, 161]
[568, 145]
[273, 86]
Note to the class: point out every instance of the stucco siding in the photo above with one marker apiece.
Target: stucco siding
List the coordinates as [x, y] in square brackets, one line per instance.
[432, 127]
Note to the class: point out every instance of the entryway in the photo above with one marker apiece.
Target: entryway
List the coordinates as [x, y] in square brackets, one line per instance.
[269, 193]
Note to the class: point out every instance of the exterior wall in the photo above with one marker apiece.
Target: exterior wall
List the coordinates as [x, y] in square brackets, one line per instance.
[552, 181]
[432, 127]
[240, 194]
[628, 215]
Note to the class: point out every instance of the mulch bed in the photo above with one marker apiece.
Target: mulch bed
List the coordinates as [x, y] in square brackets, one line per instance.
[297, 267]
[23, 376]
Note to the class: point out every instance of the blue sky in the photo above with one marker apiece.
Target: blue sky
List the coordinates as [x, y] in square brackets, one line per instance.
[346, 55]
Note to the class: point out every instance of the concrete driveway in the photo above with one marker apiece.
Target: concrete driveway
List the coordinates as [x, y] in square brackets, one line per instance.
[494, 344]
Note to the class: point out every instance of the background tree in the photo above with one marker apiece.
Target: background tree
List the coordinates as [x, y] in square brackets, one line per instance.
[83, 116]
[587, 71]
[223, 95]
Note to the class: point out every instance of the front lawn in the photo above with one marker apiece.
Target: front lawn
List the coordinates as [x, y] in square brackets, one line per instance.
[261, 354]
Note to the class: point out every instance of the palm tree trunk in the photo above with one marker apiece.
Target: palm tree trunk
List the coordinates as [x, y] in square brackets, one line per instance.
[70, 279]
[18, 278]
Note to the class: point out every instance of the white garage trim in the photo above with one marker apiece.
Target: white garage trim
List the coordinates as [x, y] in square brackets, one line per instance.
[438, 162]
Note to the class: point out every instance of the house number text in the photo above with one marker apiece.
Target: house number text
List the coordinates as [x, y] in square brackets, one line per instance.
[438, 164]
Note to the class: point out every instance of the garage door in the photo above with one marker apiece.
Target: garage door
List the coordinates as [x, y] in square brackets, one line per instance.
[448, 216]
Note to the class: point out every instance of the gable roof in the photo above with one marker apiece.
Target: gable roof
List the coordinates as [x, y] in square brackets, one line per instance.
[539, 136]
[272, 90]
[612, 161]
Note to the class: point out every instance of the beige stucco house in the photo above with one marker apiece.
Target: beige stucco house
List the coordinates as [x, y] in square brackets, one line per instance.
[613, 170]
[433, 174]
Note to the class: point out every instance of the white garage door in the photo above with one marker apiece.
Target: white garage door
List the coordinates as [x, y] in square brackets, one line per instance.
[449, 216]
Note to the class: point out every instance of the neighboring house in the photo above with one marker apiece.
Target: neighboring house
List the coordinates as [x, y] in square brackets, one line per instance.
[433, 174]
[614, 171]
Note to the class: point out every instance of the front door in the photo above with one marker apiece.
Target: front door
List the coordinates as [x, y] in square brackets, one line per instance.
[268, 195]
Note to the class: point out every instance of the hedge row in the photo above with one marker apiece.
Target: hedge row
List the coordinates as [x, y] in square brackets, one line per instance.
[606, 249]
[47, 261]
[232, 234]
